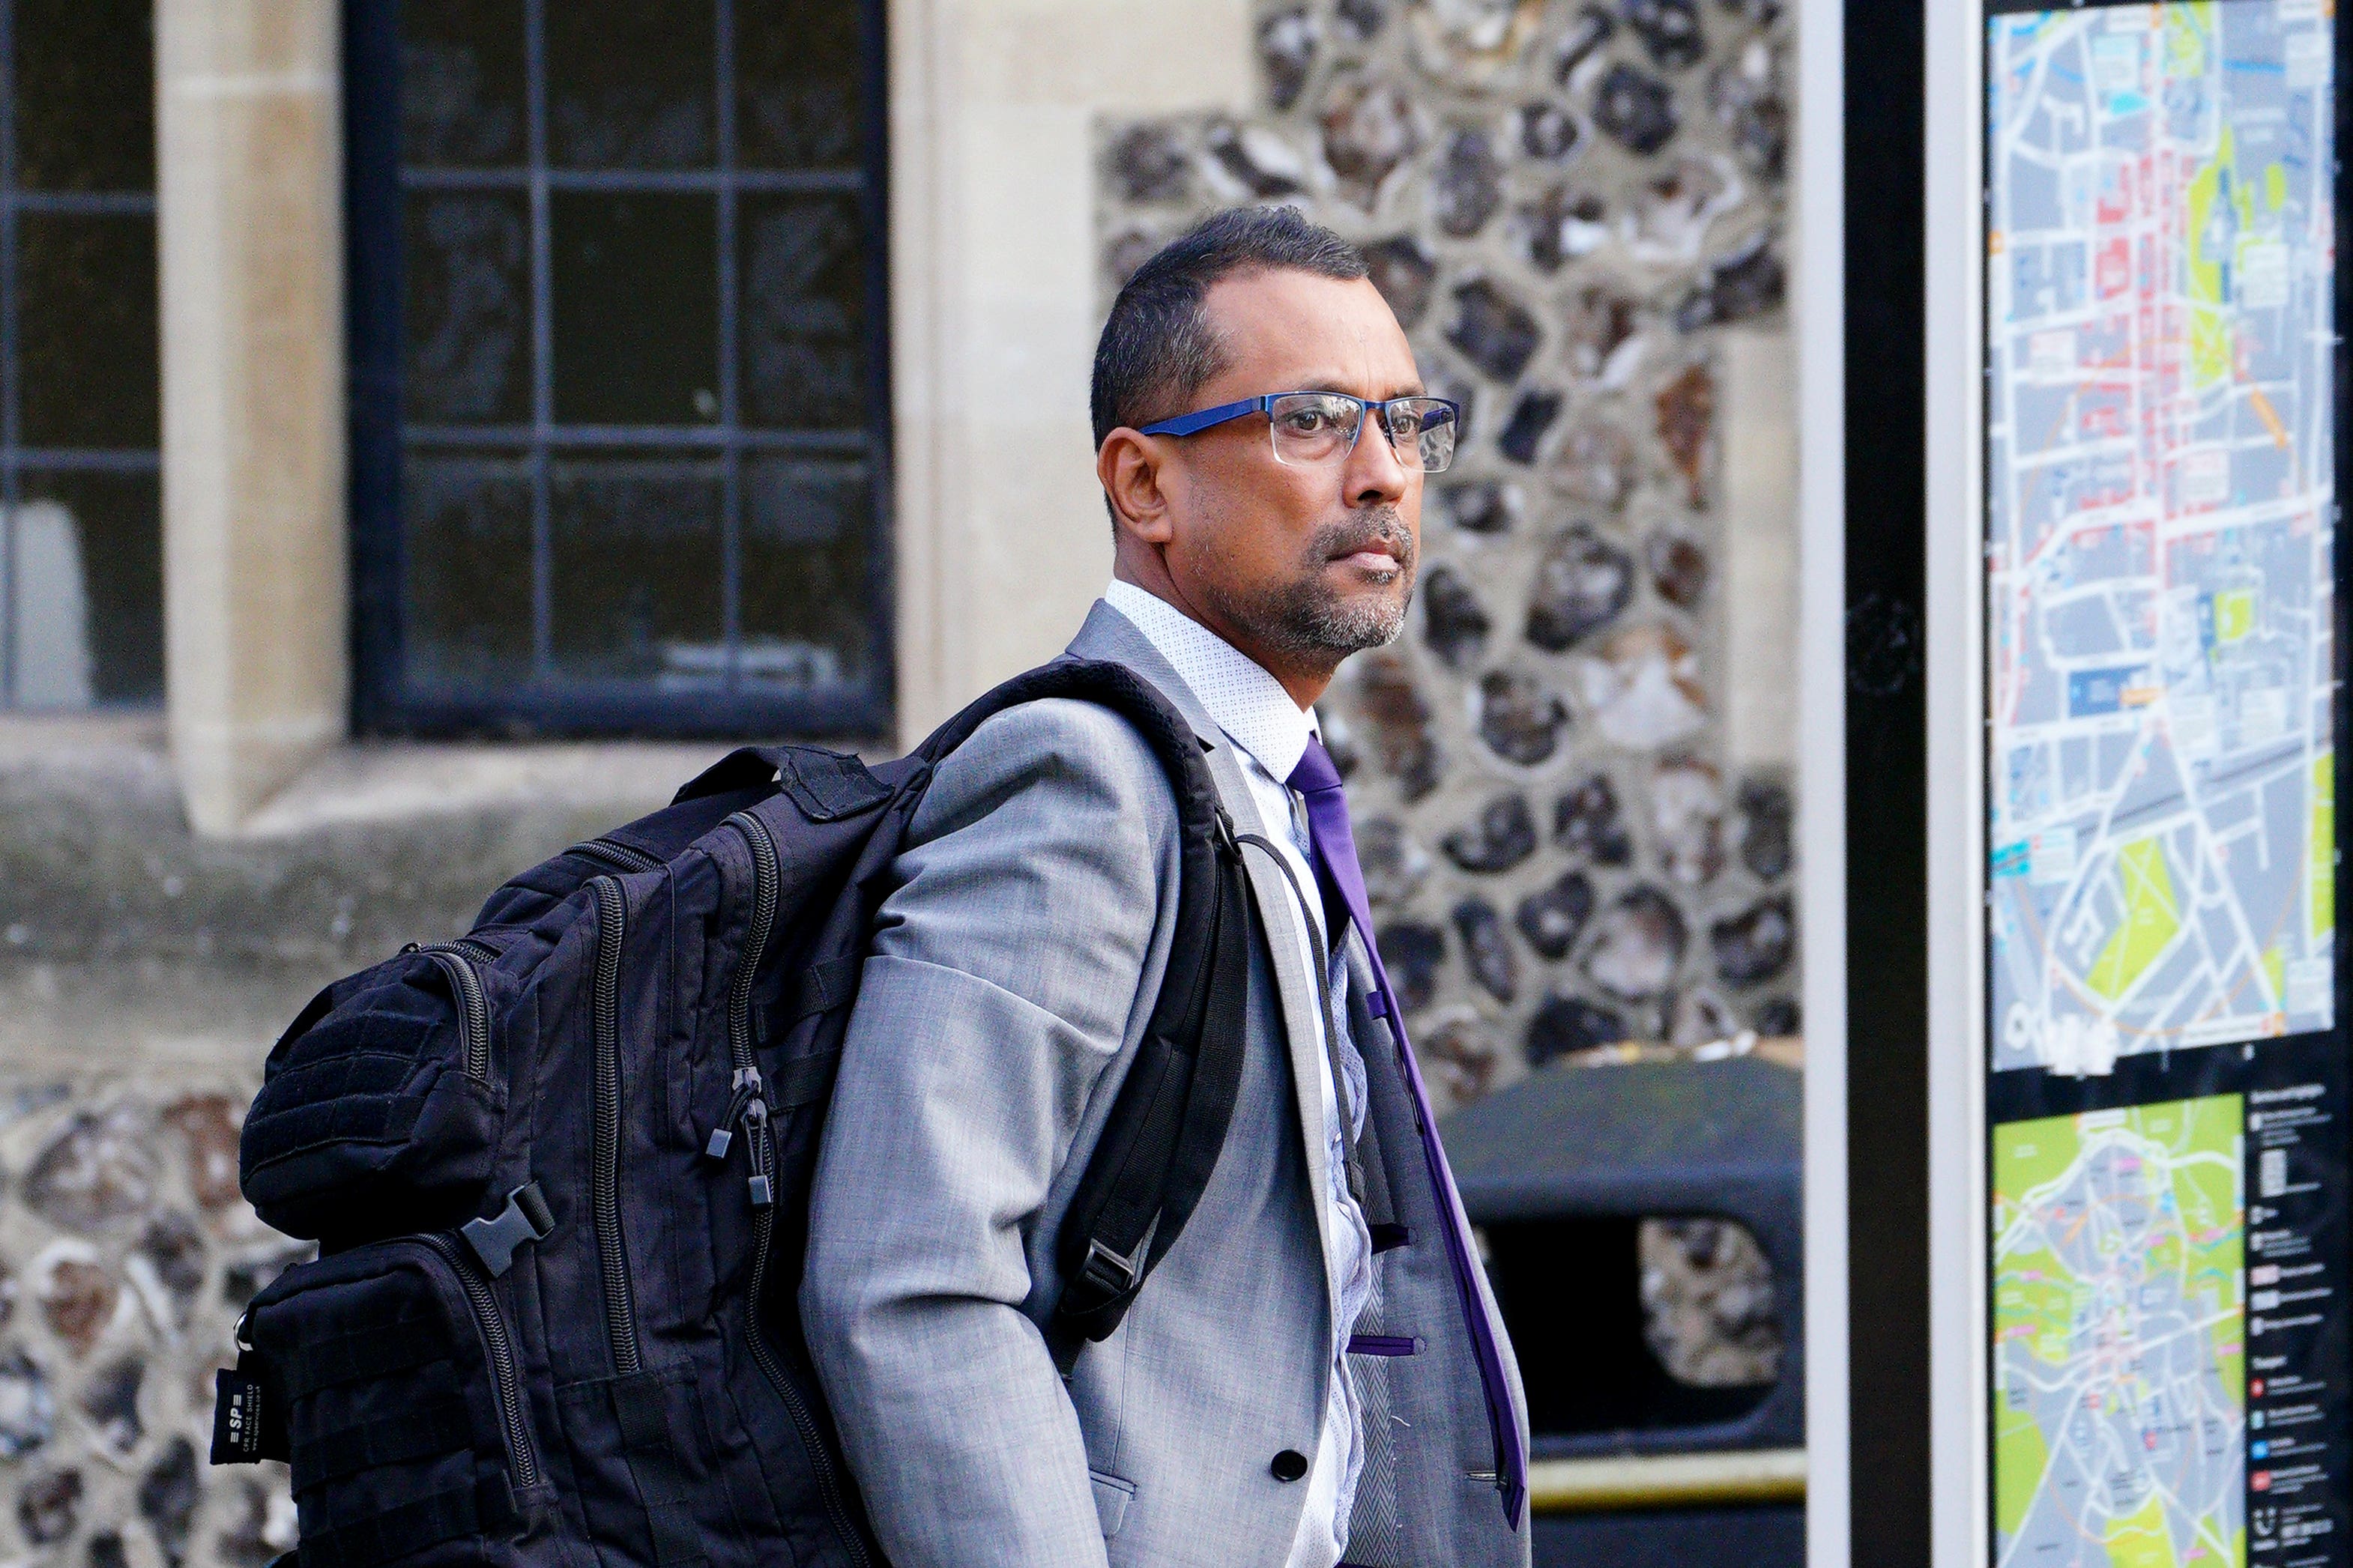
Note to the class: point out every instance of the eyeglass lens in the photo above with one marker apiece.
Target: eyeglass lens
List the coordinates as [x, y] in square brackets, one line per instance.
[1311, 429]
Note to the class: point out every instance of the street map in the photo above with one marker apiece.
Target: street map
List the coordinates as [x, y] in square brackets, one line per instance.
[2119, 1338]
[2159, 546]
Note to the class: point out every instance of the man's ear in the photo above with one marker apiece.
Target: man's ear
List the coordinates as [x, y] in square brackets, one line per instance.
[1128, 464]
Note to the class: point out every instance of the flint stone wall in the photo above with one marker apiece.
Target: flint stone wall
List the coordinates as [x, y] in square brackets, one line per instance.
[144, 973]
[129, 1256]
[1568, 207]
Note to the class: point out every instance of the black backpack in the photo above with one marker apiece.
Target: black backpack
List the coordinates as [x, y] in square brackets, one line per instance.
[559, 1169]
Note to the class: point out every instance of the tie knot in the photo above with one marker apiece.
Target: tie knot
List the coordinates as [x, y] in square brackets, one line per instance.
[1315, 772]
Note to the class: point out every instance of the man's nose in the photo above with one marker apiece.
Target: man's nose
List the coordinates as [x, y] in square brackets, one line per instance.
[1374, 475]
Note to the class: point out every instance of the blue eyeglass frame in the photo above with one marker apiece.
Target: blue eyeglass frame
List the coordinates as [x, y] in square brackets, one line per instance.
[1195, 423]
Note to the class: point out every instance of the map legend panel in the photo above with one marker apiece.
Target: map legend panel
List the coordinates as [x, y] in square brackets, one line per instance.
[2299, 1460]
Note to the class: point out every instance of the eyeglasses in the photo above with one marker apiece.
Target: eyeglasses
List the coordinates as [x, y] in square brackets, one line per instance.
[1311, 429]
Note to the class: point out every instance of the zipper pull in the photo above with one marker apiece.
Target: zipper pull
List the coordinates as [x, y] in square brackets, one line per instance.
[756, 1122]
[745, 1094]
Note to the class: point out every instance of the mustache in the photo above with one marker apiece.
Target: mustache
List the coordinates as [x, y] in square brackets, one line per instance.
[1382, 525]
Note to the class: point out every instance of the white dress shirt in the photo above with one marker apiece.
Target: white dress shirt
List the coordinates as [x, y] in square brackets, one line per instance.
[1271, 732]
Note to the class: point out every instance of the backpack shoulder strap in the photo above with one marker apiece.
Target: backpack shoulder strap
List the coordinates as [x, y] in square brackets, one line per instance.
[1168, 1125]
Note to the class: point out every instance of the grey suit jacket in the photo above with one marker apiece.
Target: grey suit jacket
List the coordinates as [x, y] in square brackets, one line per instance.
[1013, 970]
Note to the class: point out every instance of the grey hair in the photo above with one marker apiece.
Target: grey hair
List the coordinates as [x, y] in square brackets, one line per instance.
[1157, 348]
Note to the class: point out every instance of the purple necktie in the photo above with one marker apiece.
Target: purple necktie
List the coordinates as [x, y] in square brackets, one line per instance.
[1318, 783]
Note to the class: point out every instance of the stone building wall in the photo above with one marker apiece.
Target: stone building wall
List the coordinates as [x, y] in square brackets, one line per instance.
[1573, 207]
[1580, 212]
[143, 973]
[132, 1254]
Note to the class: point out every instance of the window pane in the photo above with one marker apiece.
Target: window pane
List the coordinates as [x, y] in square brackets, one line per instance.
[466, 532]
[637, 569]
[797, 81]
[86, 329]
[88, 590]
[804, 313]
[806, 606]
[466, 266]
[598, 310]
[461, 83]
[637, 309]
[85, 97]
[629, 85]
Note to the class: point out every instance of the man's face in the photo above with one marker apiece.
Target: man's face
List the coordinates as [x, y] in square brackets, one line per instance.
[1307, 564]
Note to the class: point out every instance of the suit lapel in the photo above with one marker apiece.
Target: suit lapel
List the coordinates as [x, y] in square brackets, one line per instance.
[1108, 635]
[1279, 909]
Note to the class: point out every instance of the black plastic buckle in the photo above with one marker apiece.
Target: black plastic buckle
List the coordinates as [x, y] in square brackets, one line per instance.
[1108, 1272]
[525, 1219]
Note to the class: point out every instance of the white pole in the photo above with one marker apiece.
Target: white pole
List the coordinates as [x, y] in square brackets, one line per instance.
[1955, 657]
[1820, 312]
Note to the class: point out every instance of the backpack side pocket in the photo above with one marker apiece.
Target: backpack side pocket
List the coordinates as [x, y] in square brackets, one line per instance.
[410, 1437]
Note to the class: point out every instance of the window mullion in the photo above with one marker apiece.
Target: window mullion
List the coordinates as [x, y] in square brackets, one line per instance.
[11, 403]
[543, 342]
[731, 504]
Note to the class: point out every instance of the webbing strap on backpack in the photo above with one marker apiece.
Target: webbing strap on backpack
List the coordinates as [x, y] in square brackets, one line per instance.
[1168, 1125]
[641, 1409]
[485, 1506]
[1165, 1135]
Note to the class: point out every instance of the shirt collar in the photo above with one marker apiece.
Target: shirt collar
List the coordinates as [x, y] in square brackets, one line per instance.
[1248, 704]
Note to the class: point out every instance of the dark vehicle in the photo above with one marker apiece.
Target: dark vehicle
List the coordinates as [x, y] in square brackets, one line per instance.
[1633, 1468]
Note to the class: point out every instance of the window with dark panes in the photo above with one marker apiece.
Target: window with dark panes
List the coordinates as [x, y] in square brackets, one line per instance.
[81, 614]
[619, 458]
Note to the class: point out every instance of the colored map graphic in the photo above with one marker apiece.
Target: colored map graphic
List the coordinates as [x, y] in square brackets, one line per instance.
[2119, 1338]
[2159, 547]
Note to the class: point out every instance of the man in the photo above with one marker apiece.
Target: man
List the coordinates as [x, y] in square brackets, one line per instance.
[1315, 1372]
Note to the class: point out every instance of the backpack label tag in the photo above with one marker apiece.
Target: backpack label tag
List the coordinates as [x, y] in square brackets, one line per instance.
[240, 1417]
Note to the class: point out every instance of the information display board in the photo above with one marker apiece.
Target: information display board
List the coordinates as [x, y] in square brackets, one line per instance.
[2168, 1123]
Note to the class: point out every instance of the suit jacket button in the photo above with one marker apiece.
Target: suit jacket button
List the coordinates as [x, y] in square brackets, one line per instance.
[1288, 1466]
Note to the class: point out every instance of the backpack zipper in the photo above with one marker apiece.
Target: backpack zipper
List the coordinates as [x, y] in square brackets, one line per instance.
[500, 1349]
[766, 874]
[613, 852]
[765, 879]
[604, 1153]
[456, 960]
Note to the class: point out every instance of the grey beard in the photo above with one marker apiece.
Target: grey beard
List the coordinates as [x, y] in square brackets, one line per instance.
[1304, 621]
[1339, 630]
